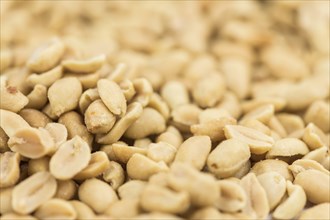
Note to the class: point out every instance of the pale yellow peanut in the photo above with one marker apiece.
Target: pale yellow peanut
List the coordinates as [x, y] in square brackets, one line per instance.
[245, 169]
[231, 104]
[210, 114]
[46, 56]
[161, 151]
[258, 142]
[277, 126]
[38, 165]
[34, 117]
[306, 164]
[74, 123]
[86, 98]
[125, 208]
[293, 205]
[64, 95]
[114, 175]
[161, 199]
[112, 96]
[175, 94]
[318, 212]
[66, 189]
[6, 59]
[321, 155]
[119, 73]
[3, 141]
[84, 66]
[257, 125]
[222, 165]
[171, 136]
[150, 122]
[98, 118]
[84, 212]
[37, 97]
[131, 189]
[56, 209]
[262, 113]
[12, 99]
[29, 194]
[277, 102]
[314, 137]
[270, 165]
[160, 179]
[156, 80]
[5, 200]
[287, 147]
[142, 143]
[46, 78]
[98, 164]
[128, 89]
[315, 184]
[141, 167]
[87, 81]
[71, 157]
[58, 132]
[11, 216]
[213, 213]
[31, 142]
[9, 167]
[318, 113]
[290, 122]
[157, 102]
[184, 116]
[49, 112]
[122, 153]
[16, 78]
[157, 215]
[97, 194]
[143, 90]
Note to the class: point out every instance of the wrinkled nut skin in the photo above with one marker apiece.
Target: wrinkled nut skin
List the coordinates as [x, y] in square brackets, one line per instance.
[9, 167]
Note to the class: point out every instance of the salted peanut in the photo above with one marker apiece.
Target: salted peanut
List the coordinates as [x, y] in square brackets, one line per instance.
[209, 90]
[46, 79]
[321, 211]
[278, 103]
[98, 118]
[128, 89]
[98, 164]
[143, 90]
[211, 114]
[10, 170]
[71, 158]
[64, 95]
[277, 126]
[3, 141]
[142, 143]
[126, 208]
[131, 189]
[36, 189]
[46, 56]
[11, 98]
[58, 132]
[315, 184]
[141, 167]
[49, 112]
[293, 205]
[306, 164]
[11, 216]
[122, 153]
[230, 103]
[262, 113]
[232, 196]
[114, 175]
[184, 116]
[321, 155]
[275, 187]
[257, 204]
[223, 166]
[83, 211]
[34, 117]
[112, 96]
[84, 66]
[56, 209]
[257, 125]
[318, 114]
[74, 124]
[202, 188]
[157, 102]
[270, 165]
[150, 122]
[194, 151]
[314, 137]
[38, 165]
[97, 194]
[6, 59]
[86, 98]
[287, 147]
[31, 142]
[175, 94]
[37, 97]
[171, 136]
[290, 122]
[258, 142]
[213, 128]
[66, 189]
[5, 200]
[161, 151]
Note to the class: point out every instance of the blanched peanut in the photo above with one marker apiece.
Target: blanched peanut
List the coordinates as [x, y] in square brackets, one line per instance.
[142, 143]
[150, 122]
[314, 137]
[84, 212]
[11, 216]
[131, 189]
[160, 199]
[128, 89]
[71, 157]
[34, 117]
[275, 187]
[277, 102]
[318, 113]
[98, 163]
[293, 205]
[66, 189]
[74, 123]
[321, 155]
[98, 118]
[157, 216]
[270, 165]
[6, 59]
[321, 211]
[231, 104]
[122, 153]
[112, 96]
[9, 167]
[290, 122]
[161, 151]
[243, 170]
[46, 78]
[58, 132]
[87, 97]
[315, 184]
[37, 97]
[32, 192]
[97, 194]
[114, 175]
[305, 164]
[221, 165]
[141, 167]
[211, 114]
[160, 105]
[287, 147]
[143, 90]
[56, 209]
[194, 151]
[5, 200]
[64, 95]
[126, 208]
[276, 126]
[257, 125]
[49, 112]
[38, 165]
[262, 113]
[3, 141]
[171, 136]
[31, 142]
[175, 94]
[202, 188]
[11, 98]
[87, 81]
[184, 116]
[47, 56]
[84, 66]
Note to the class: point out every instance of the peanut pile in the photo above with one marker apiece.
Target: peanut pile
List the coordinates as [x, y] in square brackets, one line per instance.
[164, 110]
